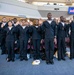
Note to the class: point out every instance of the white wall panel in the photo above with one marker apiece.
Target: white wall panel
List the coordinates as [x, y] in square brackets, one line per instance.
[19, 10]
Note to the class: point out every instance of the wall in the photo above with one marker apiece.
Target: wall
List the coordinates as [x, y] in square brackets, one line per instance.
[16, 8]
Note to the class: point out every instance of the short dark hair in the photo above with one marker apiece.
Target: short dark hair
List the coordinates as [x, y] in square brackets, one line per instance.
[48, 13]
[22, 20]
[10, 21]
[3, 17]
[73, 16]
[61, 16]
[14, 18]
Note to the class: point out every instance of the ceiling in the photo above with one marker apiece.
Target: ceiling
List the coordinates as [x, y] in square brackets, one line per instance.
[43, 2]
[60, 1]
[54, 13]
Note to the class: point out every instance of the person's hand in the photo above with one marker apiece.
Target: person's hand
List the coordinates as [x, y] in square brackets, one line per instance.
[67, 39]
[20, 23]
[69, 32]
[15, 42]
[42, 41]
[17, 23]
[31, 23]
[40, 22]
[29, 41]
[2, 25]
[55, 40]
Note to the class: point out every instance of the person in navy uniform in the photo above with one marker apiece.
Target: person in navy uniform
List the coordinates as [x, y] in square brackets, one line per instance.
[16, 24]
[14, 20]
[50, 28]
[10, 32]
[72, 39]
[2, 35]
[62, 33]
[36, 39]
[23, 30]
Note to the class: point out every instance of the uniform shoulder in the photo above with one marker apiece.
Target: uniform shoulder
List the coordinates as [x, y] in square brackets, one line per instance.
[59, 23]
[45, 21]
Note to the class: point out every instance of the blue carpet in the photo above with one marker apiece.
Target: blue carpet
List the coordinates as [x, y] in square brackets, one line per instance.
[26, 68]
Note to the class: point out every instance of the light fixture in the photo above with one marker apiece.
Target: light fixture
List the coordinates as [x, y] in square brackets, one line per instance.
[22, 0]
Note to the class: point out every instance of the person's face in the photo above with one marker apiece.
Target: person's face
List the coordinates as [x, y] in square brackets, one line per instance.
[73, 17]
[15, 20]
[40, 22]
[9, 24]
[62, 19]
[4, 19]
[36, 22]
[26, 24]
[49, 16]
[23, 23]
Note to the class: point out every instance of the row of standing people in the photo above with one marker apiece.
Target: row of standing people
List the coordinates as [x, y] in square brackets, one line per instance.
[47, 30]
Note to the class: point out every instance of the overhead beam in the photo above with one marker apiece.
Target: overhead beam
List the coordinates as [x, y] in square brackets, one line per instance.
[56, 1]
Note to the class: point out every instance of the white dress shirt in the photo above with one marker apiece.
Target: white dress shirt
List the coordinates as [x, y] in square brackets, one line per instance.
[23, 27]
[63, 23]
[49, 21]
[10, 28]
